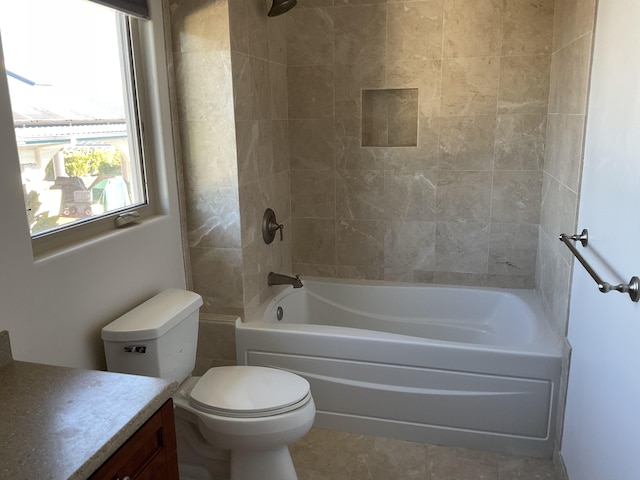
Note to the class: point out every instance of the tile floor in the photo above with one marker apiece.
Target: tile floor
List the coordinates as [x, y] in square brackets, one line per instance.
[332, 455]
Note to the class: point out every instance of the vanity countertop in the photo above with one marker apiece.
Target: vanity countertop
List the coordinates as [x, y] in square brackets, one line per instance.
[64, 423]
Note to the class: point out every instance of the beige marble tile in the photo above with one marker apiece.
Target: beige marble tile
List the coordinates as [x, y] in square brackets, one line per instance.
[410, 245]
[423, 75]
[414, 30]
[280, 145]
[315, 270]
[217, 276]
[360, 243]
[279, 93]
[410, 195]
[463, 196]
[309, 36]
[516, 196]
[310, 91]
[251, 212]
[202, 143]
[350, 80]
[246, 138]
[472, 28]
[200, 26]
[258, 28]
[520, 142]
[277, 38]
[389, 458]
[524, 84]
[467, 143]
[563, 152]
[216, 340]
[312, 143]
[239, 26]
[513, 249]
[470, 86]
[313, 194]
[213, 217]
[242, 92]
[314, 241]
[462, 247]
[570, 77]
[260, 89]
[204, 84]
[359, 272]
[572, 19]
[360, 195]
[527, 27]
[275, 193]
[359, 33]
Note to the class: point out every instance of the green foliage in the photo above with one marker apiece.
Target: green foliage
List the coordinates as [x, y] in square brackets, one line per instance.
[92, 161]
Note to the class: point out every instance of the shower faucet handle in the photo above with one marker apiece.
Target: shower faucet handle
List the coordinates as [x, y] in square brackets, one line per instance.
[270, 226]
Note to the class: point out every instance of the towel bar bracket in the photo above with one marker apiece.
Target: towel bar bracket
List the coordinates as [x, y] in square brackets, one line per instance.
[632, 288]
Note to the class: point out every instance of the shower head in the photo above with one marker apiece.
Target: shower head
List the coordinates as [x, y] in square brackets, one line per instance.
[281, 6]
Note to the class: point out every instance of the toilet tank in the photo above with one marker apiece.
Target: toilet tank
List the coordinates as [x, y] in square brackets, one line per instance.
[157, 338]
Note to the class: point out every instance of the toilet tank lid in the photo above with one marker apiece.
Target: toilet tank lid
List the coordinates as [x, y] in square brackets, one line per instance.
[153, 318]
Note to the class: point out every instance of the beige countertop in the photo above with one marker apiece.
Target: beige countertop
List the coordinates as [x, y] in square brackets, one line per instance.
[63, 423]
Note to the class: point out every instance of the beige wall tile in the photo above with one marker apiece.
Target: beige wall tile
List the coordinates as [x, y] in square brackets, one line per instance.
[310, 91]
[309, 36]
[472, 28]
[524, 84]
[409, 246]
[361, 243]
[423, 75]
[217, 276]
[241, 75]
[280, 145]
[512, 249]
[350, 80]
[470, 86]
[570, 77]
[414, 30]
[314, 241]
[410, 195]
[527, 27]
[200, 26]
[239, 26]
[572, 19]
[313, 194]
[258, 28]
[462, 247]
[277, 38]
[213, 218]
[463, 197]
[467, 143]
[360, 33]
[279, 93]
[312, 143]
[360, 195]
[390, 117]
[563, 157]
[260, 89]
[516, 196]
[520, 142]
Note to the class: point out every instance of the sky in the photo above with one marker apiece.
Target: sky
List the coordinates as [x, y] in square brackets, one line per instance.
[68, 44]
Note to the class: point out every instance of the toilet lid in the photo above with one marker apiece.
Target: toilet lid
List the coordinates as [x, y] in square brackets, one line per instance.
[246, 391]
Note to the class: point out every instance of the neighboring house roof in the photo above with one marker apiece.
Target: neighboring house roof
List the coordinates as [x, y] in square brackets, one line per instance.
[44, 114]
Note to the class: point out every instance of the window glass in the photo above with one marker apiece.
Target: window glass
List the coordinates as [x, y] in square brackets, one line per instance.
[73, 99]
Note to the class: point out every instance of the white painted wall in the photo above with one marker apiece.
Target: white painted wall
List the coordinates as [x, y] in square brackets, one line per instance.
[602, 424]
[54, 308]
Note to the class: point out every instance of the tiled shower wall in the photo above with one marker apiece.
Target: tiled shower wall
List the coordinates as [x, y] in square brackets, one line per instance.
[463, 206]
[570, 67]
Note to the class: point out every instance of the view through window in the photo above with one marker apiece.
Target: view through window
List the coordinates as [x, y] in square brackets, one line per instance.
[72, 95]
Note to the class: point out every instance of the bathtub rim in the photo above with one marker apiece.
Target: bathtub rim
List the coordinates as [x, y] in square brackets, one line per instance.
[545, 343]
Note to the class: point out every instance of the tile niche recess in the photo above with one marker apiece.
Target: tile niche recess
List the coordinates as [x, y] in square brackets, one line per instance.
[390, 117]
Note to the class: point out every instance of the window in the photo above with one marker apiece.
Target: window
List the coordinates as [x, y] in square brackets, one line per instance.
[74, 87]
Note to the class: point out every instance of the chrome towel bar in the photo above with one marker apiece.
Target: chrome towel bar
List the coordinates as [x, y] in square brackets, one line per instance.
[632, 288]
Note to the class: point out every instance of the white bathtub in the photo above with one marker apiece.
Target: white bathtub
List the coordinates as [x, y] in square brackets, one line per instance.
[461, 366]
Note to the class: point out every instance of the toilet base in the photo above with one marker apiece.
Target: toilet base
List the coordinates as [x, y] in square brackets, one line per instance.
[262, 464]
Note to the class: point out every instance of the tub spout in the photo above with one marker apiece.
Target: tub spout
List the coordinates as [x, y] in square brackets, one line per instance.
[279, 279]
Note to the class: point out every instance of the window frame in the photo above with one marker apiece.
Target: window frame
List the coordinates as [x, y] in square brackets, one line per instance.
[135, 45]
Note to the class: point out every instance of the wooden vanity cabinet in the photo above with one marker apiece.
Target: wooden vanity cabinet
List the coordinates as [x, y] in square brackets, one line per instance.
[150, 453]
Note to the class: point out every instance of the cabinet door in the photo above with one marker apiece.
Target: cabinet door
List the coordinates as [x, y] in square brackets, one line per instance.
[150, 453]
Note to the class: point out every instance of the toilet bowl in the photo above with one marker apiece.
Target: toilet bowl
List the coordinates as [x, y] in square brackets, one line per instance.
[253, 412]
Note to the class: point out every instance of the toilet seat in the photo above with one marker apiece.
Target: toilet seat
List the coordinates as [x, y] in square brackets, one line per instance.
[248, 392]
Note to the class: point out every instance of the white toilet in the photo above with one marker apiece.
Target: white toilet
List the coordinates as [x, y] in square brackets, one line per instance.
[255, 412]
